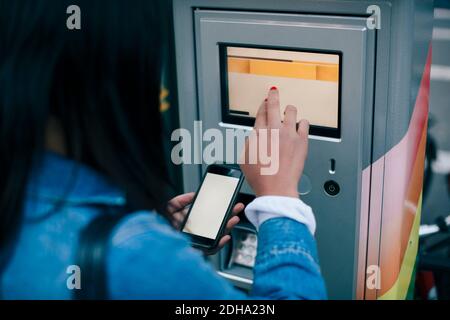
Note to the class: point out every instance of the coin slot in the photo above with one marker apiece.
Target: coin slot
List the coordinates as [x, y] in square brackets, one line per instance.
[332, 166]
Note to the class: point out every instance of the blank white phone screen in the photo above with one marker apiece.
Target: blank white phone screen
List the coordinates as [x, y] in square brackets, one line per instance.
[210, 207]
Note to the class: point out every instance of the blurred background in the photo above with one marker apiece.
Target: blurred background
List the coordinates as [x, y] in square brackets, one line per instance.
[433, 278]
[437, 200]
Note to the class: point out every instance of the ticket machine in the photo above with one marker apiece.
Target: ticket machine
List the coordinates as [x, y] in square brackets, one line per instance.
[359, 72]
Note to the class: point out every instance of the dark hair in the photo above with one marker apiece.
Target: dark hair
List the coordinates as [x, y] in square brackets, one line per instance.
[102, 82]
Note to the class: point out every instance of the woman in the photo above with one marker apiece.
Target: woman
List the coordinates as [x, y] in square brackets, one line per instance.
[82, 167]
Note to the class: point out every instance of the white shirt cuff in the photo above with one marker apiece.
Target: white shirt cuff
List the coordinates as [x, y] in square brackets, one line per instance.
[268, 207]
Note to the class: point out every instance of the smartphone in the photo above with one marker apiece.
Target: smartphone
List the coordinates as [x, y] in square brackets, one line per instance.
[213, 205]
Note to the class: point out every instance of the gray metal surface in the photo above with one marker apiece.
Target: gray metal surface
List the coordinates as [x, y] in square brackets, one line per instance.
[186, 63]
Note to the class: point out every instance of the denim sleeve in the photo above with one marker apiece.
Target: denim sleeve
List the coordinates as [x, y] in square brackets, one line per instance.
[286, 265]
[150, 260]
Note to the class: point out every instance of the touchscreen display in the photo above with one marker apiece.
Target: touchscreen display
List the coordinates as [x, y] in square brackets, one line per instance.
[307, 80]
[210, 206]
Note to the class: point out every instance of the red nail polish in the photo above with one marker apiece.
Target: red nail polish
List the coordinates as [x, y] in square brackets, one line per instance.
[265, 99]
[273, 88]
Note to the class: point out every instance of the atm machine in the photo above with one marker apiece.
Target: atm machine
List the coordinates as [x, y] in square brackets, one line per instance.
[359, 72]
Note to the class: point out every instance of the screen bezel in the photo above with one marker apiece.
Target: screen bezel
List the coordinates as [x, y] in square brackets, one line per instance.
[245, 120]
[223, 170]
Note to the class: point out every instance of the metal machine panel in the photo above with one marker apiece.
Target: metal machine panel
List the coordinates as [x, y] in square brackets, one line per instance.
[337, 215]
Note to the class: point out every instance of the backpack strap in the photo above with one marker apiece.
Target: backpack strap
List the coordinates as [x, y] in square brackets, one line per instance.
[92, 252]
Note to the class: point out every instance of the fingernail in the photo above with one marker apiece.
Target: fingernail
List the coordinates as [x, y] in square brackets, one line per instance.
[273, 88]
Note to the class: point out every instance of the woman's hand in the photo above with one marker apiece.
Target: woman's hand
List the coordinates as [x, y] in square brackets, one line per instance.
[292, 149]
[178, 207]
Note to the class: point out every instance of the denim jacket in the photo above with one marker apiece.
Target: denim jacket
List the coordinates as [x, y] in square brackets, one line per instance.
[147, 258]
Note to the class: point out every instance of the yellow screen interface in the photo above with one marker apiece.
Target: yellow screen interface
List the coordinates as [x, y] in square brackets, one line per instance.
[210, 206]
[309, 81]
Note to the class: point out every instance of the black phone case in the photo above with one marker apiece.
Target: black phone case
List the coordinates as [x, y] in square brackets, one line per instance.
[232, 203]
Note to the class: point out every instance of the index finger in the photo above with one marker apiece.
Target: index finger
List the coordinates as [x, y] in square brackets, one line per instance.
[273, 109]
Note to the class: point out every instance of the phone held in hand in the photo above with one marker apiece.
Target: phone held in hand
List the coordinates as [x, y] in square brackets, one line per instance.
[213, 205]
